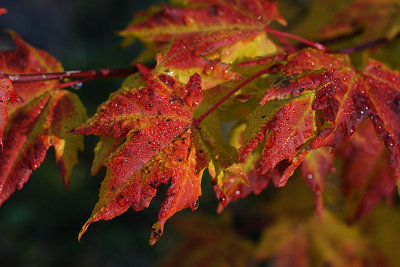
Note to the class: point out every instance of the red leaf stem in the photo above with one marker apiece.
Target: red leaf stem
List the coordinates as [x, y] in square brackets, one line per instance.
[75, 82]
[222, 100]
[316, 45]
[357, 48]
[120, 72]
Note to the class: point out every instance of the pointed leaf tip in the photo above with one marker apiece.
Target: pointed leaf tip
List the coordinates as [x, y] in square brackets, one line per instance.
[83, 230]
[156, 233]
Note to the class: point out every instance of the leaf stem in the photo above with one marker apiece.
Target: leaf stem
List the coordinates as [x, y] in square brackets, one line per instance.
[76, 82]
[222, 100]
[357, 48]
[100, 73]
[316, 45]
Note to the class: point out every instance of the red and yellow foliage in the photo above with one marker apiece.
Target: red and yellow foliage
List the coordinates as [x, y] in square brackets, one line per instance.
[216, 66]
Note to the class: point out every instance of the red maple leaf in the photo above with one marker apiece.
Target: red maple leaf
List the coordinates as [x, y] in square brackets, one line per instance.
[42, 120]
[376, 19]
[151, 119]
[314, 81]
[367, 176]
[206, 37]
[314, 168]
[203, 16]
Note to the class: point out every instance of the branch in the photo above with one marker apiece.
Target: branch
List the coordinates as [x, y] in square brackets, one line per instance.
[101, 73]
[336, 39]
[78, 83]
[316, 45]
[357, 48]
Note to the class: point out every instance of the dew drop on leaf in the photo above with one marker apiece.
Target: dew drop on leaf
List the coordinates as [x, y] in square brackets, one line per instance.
[196, 205]
[226, 74]
[149, 105]
[208, 69]
[77, 86]
[121, 200]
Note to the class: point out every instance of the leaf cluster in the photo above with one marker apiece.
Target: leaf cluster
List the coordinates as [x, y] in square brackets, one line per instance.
[229, 95]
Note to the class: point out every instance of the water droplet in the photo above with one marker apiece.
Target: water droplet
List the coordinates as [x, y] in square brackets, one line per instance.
[68, 73]
[149, 105]
[77, 86]
[196, 205]
[243, 98]
[237, 192]
[208, 69]
[121, 200]
[226, 75]
[309, 176]
[188, 20]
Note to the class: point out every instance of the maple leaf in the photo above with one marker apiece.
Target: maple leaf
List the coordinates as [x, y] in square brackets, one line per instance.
[207, 36]
[367, 176]
[42, 120]
[383, 89]
[199, 16]
[376, 19]
[288, 126]
[148, 139]
[313, 168]
[314, 81]
[316, 242]
[239, 179]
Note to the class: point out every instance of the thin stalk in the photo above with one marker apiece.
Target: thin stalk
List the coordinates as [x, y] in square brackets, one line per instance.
[76, 82]
[222, 100]
[121, 72]
[336, 39]
[316, 45]
[357, 48]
